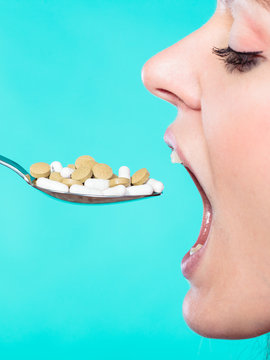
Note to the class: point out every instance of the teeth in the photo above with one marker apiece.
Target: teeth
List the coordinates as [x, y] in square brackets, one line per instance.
[175, 158]
[195, 249]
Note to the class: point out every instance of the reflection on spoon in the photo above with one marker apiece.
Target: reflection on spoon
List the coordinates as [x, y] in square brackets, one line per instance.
[76, 198]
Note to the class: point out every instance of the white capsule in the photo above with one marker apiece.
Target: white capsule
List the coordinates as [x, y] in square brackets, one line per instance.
[119, 190]
[156, 185]
[51, 185]
[98, 184]
[66, 172]
[78, 189]
[124, 172]
[81, 189]
[145, 189]
[56, 166]
[175, 158]
[94, 191]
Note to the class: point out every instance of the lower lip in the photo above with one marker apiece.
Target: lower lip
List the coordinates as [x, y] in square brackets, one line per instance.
[190, 262]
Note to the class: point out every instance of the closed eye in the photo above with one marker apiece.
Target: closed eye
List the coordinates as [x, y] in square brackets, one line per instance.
[235, 60]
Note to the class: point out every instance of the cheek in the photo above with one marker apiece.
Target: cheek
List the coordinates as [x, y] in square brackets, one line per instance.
[237, 128]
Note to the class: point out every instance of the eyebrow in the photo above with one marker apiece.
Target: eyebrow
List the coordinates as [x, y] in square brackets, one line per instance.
[263, 3]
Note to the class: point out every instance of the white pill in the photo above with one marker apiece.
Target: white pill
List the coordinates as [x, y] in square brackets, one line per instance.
[66, 172]
[119, 190]
[145, 189]
[81, 189]
[124, 172]
[51, 185]
[99, 184]
[56, 166]
[156, 185]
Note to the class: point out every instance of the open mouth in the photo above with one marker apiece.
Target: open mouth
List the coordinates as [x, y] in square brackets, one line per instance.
[191, 260]
[206, 220]
[207, 214]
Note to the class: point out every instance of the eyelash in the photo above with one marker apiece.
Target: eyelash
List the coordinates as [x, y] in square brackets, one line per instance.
[234, 60]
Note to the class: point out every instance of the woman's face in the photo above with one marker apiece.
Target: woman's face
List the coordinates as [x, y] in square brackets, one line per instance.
[223, 132]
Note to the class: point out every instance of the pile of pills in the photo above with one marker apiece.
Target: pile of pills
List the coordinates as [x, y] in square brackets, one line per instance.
[88, 177]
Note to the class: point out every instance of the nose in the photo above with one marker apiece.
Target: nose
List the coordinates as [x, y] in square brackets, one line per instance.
[174, 74]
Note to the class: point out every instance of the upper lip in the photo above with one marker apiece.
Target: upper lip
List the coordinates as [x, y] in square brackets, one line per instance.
[171, 142]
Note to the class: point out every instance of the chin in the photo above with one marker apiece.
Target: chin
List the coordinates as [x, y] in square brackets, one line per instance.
[210, 321]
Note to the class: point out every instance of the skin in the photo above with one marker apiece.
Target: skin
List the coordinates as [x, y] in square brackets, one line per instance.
[223, 129]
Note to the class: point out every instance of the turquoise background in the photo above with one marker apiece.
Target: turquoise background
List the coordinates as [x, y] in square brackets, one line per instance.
[95, 282]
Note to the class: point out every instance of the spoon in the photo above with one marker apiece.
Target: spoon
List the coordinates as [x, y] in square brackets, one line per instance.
[77, 198]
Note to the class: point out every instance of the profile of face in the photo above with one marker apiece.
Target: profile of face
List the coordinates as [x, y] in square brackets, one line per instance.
[219, 79]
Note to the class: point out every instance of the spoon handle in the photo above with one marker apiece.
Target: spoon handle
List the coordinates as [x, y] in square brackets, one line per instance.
[17, 168]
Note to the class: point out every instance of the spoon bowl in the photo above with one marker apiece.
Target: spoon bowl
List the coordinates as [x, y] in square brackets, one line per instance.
[75, 198]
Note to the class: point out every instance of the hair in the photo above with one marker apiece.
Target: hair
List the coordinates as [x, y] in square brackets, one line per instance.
[264, 3]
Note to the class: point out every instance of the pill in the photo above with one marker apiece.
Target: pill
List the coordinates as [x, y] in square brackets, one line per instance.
[51, 185]
[99, 184]
[66, 172]
[156, 185]
[81, 189]
[70, 182]
[119, 181]
[88, 177]
[140, 177]
[81, 174]
[102, 171]
[145, 189]
[56, 176]
[78, 189]
[92, 191]
[85, 161]
[124, 172]
[118, 190]
[56, 166]
[40, 169]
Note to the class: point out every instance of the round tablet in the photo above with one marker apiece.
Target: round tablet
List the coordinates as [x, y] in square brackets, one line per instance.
[85, 161]
[40, 169]
[102, 171]
[81, 174]
[56, 176]
[70, 182]
[140, 177]
[119, 181]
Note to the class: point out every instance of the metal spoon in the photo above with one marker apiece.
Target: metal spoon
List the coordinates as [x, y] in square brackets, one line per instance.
[77, 198]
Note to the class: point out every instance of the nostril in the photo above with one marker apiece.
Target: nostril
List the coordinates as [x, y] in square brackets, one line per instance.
[168, 96]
